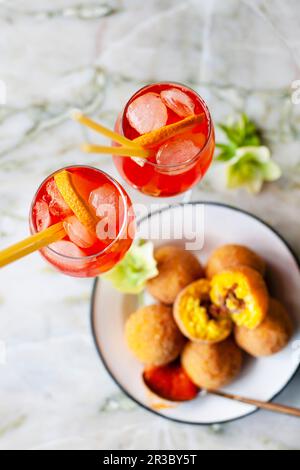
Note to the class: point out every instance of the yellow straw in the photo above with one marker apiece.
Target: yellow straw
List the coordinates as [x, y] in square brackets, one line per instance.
[122, 151]
[78, 116]
[29, 245]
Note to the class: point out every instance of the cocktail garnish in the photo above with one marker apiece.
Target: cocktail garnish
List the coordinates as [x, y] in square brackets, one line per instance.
[158, 136]
[63, 180]
[57, 205]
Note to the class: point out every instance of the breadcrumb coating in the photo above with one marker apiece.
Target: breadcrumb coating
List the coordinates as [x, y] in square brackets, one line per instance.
[153, 336]
[271, 336]
[211, 366]
[177, 268]
[230, 256]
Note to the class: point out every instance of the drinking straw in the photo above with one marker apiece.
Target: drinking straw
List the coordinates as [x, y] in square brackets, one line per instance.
[122, 151]
[78, 116]
[136, 147]
[29, 245]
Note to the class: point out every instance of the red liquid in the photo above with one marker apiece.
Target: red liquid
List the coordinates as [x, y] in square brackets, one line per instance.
[164, 180]
[86, 256]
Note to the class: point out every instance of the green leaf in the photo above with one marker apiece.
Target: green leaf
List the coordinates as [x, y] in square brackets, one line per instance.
[130, 275]
[252, 140]
[241, 132]
[232, 133]
[228, 152]
[223, 157]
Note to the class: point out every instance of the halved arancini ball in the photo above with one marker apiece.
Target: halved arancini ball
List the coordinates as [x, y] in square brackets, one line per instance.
[196, 316]
[271, 336]
[243, 292]
[153, 336]
[211, 366]
[229, 256]
[177, 268]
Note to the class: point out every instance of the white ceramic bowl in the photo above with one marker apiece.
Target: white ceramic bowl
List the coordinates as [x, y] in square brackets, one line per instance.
[261, 378]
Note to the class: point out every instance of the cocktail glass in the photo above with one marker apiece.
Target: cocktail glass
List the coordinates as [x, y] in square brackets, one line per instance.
[82, 253]
[178, 164]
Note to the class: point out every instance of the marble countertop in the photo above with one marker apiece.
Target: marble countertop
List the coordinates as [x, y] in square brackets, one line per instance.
[92, 54]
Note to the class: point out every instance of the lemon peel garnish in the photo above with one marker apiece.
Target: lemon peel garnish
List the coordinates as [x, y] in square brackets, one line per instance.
[64, 183]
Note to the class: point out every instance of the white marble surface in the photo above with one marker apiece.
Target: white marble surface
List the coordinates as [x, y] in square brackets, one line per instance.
[54, 55]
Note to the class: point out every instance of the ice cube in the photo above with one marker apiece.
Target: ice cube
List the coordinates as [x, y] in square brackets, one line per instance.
[109, 206]
[104, 198]
[78, 233]
[68, 249]
[178, 101]
[139, 161]
[42, 215]
[146, 113]
[57, 205]
[197, 137]
[176, 152]
[106, 229]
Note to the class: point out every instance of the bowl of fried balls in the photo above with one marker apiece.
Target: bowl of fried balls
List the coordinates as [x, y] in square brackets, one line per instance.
[205, 320]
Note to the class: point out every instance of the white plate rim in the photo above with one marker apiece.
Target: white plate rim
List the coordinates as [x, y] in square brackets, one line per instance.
[93, 313]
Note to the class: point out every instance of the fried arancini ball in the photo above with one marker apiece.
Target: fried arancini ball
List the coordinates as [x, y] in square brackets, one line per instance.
[229, 256]
[271, 336]
[153, 336]
[211, 366]
[197, 317]
[243, 292]
[177, 268]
